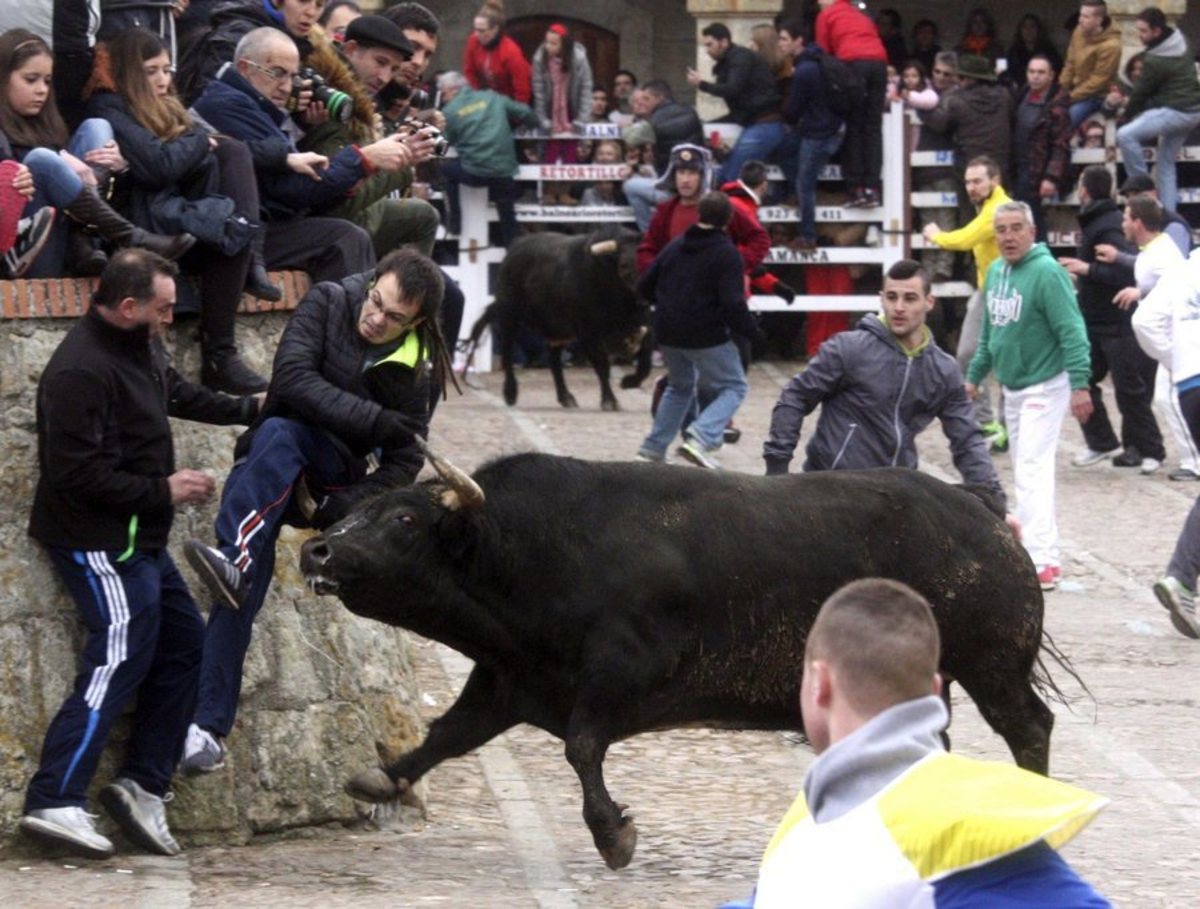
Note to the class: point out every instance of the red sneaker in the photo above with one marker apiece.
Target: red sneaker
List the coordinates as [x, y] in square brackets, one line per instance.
[1049, 577]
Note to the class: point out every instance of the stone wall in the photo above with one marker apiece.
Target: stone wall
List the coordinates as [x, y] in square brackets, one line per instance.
[324, 690]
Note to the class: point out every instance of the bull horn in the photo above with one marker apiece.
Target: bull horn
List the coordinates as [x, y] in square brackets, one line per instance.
[603, 248]
[464, 493]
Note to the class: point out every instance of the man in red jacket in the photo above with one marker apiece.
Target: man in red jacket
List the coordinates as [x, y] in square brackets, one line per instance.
[746, 194]
[849, 34]
[493, 60]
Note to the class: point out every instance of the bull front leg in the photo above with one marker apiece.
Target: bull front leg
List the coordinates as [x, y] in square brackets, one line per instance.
[642, 364]
[483, 710]
[613, 831]
[565, 398]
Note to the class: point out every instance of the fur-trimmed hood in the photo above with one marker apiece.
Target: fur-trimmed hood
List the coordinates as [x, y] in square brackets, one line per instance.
[328, 62]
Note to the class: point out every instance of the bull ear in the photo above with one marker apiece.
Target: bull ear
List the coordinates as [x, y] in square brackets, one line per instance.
[462, 493]
[603, 248]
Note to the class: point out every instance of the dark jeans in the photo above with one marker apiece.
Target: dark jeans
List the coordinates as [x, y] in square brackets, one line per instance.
[144, 641]
[501, 190]
[812, 155]
[329, 249]
[862, 160]
[1133, 384]
[253, 505]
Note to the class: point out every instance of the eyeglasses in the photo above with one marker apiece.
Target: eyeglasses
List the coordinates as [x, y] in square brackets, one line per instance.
[274, 73]
[393, 318]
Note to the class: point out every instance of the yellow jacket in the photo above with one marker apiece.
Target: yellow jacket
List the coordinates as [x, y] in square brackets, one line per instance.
[978, 236]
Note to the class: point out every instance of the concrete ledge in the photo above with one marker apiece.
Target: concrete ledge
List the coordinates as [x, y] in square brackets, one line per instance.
[67, 298]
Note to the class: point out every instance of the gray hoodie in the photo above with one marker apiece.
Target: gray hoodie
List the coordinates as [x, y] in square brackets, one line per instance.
[875, 398]
[853, 770]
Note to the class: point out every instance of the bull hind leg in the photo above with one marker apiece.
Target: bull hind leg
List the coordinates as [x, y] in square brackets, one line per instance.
[1018, 715]
[595, 353]
[613, 832]
[483, 711]
[565, 398]
[507, 336]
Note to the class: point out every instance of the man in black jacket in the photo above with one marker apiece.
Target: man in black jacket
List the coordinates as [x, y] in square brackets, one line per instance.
[1115, 349]
[103, 509]
[673, 124]
[696, 285]
[351, 379]
[746, 84]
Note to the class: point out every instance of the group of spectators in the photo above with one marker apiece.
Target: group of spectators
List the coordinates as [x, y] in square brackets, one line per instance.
[282, 160]
[267, 141]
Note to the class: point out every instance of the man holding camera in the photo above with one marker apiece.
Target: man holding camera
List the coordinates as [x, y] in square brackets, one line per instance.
[249, 101]
[370, 57]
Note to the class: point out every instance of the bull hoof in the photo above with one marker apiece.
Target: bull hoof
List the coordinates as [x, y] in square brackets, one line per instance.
[610, 405]
[631, 381]
[510, 396]
[619, 854]
[568, 400]
[373, 786]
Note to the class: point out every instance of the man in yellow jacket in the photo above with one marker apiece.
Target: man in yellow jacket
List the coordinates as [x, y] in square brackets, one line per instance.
[983, 181]
[887, 818]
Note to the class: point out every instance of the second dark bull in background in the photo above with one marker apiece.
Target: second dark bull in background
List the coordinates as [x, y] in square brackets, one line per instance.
[565, 288]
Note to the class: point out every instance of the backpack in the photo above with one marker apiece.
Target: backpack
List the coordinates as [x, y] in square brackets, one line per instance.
[844, 88]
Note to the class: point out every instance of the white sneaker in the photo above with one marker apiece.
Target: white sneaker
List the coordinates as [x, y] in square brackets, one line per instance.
[69, 826]
[141, 815]
[1150, 465]
[202, 752]
[694, 451]
[1181, 603]
[1090, 456]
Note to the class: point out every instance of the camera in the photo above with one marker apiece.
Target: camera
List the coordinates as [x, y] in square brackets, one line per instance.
[339, 104]
[441, 144]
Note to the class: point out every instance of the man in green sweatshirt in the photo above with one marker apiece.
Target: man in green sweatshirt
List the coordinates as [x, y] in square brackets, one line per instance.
[1035, 342]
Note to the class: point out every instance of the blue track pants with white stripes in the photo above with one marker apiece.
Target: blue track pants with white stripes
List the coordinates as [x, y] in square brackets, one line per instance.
[144, 640]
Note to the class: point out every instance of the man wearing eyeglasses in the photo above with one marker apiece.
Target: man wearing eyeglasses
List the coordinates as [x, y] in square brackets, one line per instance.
[351, 382]
[249, 101]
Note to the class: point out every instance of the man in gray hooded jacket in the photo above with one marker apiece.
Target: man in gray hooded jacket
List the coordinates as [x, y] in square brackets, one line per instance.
[880, 386]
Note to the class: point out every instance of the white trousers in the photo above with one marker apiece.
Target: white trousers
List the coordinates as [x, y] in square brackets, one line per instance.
[1166, 399]
[1035, 417]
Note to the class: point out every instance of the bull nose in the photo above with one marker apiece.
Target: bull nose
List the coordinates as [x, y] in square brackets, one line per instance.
[314, 554]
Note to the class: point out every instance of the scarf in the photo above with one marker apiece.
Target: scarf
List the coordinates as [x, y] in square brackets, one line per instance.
[560, 113]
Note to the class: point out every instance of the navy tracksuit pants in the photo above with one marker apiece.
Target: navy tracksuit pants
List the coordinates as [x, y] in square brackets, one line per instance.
[253, 505]
[144, 639]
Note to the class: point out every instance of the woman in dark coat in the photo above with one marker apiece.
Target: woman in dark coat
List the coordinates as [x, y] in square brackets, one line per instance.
[182, 177]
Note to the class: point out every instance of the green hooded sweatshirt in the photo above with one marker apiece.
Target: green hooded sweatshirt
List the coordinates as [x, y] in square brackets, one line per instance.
[1032, 328]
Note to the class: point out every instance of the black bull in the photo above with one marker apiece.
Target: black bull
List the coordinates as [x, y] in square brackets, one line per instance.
[602, 600]
[567, 287]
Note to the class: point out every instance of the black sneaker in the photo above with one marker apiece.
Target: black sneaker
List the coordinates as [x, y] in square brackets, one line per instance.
[221, 576]
[1130, 457]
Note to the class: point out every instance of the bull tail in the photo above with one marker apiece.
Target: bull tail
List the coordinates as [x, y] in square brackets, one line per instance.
[472, 343]
[1044, 682]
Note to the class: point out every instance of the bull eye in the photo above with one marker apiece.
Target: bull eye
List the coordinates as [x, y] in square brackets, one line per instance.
[406, 519]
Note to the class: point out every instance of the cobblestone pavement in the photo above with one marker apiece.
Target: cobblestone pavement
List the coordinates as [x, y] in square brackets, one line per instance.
[503, 825]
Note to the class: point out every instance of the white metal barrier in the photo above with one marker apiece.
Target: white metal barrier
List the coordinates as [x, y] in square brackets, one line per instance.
[893, 234]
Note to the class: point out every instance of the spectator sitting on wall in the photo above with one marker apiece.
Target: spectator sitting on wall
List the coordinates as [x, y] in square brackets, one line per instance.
[673, 124]
[1093, 58]
[745, 82]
